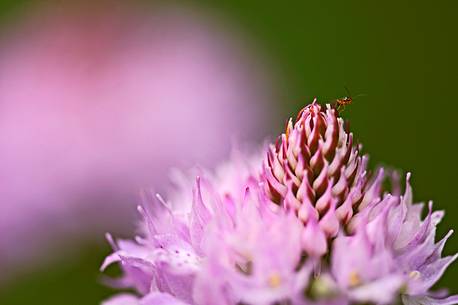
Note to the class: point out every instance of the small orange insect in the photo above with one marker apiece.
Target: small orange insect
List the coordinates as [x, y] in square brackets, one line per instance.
[340, 103]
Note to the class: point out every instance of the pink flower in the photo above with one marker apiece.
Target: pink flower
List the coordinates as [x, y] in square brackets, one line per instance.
[316, 171]
[254, 270]
[171, 249]
[98, 105]
[249, 243]
[393, 250]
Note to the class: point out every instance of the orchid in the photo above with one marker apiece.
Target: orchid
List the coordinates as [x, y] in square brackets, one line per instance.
[304, 222]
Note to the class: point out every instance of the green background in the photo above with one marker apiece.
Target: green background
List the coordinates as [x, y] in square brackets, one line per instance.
[402, 55]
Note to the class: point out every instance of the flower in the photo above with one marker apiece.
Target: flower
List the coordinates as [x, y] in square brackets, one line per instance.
[249, 243]
[98, 104]
[316, 170]
[173, 246]
[255, 271]
[393, 250]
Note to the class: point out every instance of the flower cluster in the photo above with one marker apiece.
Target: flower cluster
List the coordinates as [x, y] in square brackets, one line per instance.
[307, 224]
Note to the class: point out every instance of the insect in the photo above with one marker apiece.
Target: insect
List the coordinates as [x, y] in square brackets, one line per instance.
[340, 103]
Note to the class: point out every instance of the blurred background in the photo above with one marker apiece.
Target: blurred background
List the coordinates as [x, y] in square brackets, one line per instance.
[99, 99]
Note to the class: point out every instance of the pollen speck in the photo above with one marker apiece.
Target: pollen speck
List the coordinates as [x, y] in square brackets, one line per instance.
[415, 275]
[354, 279]
[274, 280]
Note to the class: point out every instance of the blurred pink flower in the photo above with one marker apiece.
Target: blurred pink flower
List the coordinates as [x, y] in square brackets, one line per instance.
[94, 107]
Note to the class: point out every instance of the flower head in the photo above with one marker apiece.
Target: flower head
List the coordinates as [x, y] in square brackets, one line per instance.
[316, 171]
[250, 242]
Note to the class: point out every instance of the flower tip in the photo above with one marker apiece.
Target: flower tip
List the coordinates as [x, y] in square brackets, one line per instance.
[111, 241]
[198, 185]
[408, 175]
[140, 210]
[108, 237]
[160, 199]
[452, 259]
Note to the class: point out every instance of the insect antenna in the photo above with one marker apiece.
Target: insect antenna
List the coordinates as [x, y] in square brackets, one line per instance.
[348, 91]
[359, 95]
